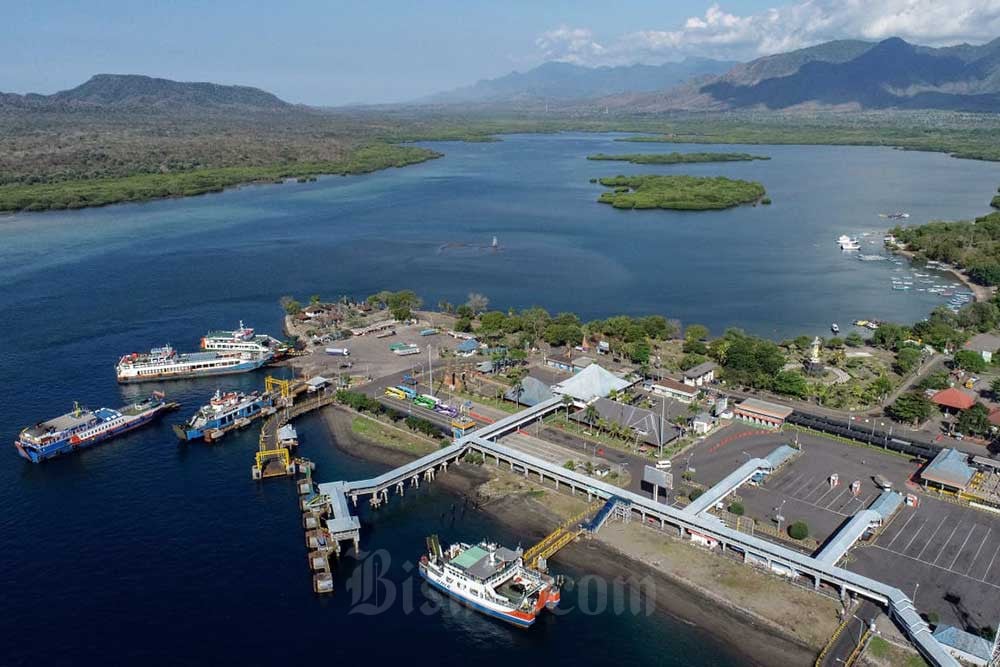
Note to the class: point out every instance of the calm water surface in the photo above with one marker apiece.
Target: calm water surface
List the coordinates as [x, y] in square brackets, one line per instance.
[144, 551]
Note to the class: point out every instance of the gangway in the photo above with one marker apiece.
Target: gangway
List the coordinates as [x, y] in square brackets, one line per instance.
[604, 514]
[558, 538]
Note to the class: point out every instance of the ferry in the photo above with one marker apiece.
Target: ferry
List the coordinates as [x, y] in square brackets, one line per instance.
[242, 339]
[83, 428]
[490, 579]
[165, 363]
[223, 411]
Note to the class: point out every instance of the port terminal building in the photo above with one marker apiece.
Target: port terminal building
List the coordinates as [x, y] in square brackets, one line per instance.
[762, 413]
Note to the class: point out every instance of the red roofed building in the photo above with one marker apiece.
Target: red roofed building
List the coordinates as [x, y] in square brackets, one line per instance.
[954, 399]
[995, 416]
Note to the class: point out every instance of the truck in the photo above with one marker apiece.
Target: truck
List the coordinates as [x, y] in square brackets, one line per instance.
[338, 351]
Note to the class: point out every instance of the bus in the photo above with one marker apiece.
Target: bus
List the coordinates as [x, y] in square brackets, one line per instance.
[394, 392]
[426, 401]
[406, 391]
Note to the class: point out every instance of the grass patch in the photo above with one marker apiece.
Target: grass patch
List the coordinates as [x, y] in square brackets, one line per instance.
[685, 193]
[388, 436]
[678, 158]
[879, 647]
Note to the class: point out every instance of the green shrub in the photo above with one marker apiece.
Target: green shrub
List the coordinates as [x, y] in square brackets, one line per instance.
[798, 530]
[736, 508]
[694, 494]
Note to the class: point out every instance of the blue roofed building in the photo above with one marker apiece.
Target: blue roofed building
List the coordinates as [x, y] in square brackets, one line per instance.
[467, 348]
[965, 646]
[532, 392]
[949, 470]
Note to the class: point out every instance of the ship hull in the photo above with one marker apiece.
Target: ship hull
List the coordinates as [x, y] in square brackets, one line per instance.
[67, 446]
[186, 374]
[515, 618]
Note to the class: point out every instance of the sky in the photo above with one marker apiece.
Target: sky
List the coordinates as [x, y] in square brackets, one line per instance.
[328, 52]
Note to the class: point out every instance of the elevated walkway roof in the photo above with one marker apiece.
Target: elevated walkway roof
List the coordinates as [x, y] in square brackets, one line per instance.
[727, 485]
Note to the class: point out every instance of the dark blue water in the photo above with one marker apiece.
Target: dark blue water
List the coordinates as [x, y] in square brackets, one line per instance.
[142, 551]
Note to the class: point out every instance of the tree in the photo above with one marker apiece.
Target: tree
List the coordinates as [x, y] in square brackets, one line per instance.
[880, 387]
[314, 299]
[477, 302]
[936, 380]
[854, 339]
[798, 530]
[912, 408]
[290, 305]
[835, 343]
[907, 359]
[696, 332]
[995, 388]
[401, 304]
[889, 336]
[975, 420]
[463, 324]
[570, 465]
[590, 415]
[694, 494]
[736, 508]
[969, 360]
[791, 383]
[464, 311]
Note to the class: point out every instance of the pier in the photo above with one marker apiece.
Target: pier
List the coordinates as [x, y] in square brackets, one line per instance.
[332, 503]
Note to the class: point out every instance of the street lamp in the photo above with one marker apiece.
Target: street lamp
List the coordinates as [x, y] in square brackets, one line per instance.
[778, 517]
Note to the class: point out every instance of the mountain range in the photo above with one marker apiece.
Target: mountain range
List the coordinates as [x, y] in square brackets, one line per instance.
[559, 81]
[132, 91]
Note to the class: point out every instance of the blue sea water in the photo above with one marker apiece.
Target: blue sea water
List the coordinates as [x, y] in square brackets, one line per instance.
[144, 551]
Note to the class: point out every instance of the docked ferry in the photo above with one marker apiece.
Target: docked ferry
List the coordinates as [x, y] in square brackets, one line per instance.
[165, 363]
[242, 339]
[491, 579]
[81, 428]
[223, 411]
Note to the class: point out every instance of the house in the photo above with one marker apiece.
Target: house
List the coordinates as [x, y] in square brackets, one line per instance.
[574, 365]
[702, 423]
[467, 347]
[591, 383]
[314, 384]
[949, 471]
[965, 646]
[651, 428]
[985, 344]
[579, 363]
[532, 392]
[953, 400]
[701, 374]
[762, 413]
[674, 389]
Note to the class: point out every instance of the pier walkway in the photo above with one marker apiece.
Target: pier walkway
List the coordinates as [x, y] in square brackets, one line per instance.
[751, 548]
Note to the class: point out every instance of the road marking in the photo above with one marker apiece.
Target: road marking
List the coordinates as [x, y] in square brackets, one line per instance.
[976, 557]
[877, 546]
[947, 542]
[789, 480]
[828, 491]
[901, 530]
[927, 544]
[798, 490]
[839, 495]
[990, 566]
[962, 548]
[819, 487]
[906, 548]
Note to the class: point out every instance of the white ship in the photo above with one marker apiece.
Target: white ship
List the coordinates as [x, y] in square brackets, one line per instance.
[491, 579]
[847, 243]
[242, 339]
[165, 363]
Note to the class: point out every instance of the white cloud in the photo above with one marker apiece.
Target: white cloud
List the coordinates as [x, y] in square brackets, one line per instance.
[721, 34]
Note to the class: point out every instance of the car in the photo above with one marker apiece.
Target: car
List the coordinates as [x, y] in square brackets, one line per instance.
[881, 482]
[665, 464]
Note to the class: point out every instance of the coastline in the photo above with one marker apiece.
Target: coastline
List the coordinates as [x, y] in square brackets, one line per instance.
[979, 292]
[760, 641]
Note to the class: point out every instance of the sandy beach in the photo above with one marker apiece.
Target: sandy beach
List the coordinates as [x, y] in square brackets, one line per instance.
[761, 640]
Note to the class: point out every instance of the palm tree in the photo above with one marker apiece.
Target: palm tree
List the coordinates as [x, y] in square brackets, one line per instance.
[590, 413]
[567, 401]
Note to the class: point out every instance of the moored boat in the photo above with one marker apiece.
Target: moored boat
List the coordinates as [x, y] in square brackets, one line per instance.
[165, 363]
[490, 579]
[243, 339]
[82, 428]
[225, 410]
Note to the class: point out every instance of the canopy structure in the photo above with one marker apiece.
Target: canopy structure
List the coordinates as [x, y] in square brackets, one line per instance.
[591, 383]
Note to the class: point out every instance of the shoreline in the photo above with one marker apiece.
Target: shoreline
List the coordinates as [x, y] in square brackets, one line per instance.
[979, 292]
[759, 640]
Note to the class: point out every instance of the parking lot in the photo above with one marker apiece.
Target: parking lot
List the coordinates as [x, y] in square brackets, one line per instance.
[952, 551]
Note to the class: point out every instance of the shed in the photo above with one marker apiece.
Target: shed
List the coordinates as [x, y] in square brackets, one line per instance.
[949, 470]
[468, 347]
[317, 383]
[964, 645]
[702, 423]
[954, 399]
[780, 456]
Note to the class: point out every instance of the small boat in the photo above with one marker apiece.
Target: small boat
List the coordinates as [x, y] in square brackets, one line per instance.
[847, 243]
[834, 328]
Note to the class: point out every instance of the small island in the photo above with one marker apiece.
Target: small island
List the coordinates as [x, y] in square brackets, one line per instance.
[678, 158]
[685, 193]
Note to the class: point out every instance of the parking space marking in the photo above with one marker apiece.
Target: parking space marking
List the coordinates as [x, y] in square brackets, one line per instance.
[798, 490]
[946, 542]
[962, 548]
[907, 547]
[787, 481]
[819, 487]
[838, 497]
[925, 562]
[990, 566]
[976, 557]
[928, 542]
[828, 492]
[901, 530]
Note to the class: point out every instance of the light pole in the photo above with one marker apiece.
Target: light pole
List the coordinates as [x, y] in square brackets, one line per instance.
[777, 516]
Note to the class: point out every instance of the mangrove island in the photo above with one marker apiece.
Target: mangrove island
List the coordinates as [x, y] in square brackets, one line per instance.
[686, 193]
[678, 158]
